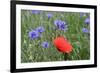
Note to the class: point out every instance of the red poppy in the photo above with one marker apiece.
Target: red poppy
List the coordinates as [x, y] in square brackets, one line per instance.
[62, 44]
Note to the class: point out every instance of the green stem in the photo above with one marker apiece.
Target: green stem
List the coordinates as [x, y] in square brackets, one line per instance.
[65, 56]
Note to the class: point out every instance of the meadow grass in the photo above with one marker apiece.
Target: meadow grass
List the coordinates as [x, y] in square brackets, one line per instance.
[31, 49]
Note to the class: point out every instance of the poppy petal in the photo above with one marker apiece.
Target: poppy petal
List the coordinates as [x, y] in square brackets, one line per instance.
[62, 44]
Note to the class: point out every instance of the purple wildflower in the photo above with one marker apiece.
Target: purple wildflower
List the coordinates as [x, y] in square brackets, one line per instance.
[87, 21]
[61, 25]
[85, 30]
[35, 11]
[82, 14]
[45, 44]
[49, 15]
[40, 29]
[33, 34]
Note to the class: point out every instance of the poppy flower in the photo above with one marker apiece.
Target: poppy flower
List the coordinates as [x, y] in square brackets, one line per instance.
[62, 44]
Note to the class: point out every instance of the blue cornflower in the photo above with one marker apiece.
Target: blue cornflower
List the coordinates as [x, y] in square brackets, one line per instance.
[87, 21]
[61, 25]
[57, 22]
[40, 29]
[85, 30]
[49, 15]
[33, 34]
[45, 44]
[82, 14]
[35, 11]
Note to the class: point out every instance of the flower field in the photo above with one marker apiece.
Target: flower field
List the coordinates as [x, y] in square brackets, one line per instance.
[54, 36]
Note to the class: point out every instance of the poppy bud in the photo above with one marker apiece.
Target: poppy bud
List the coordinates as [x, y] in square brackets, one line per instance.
[62, 44]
